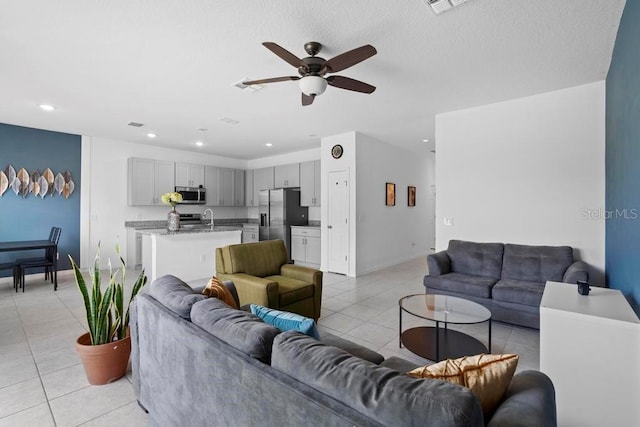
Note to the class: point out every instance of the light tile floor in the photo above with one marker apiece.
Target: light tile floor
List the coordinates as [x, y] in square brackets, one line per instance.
[42, 382]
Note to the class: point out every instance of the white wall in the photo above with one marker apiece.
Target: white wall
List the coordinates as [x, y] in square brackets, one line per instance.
[104, 208]
[388, 235]
[524, 171]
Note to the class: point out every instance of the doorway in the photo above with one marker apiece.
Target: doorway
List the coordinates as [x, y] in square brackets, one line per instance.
[338, 223]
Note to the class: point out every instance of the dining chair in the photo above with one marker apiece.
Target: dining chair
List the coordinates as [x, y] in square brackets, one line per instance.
[15, 267]
[48, 261]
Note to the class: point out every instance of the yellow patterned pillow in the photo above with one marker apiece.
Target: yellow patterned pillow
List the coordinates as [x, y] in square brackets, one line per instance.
[215, 288]
[487, 375]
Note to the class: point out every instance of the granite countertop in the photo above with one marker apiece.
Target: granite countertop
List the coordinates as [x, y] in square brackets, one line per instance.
[183, 231]
[157, 224]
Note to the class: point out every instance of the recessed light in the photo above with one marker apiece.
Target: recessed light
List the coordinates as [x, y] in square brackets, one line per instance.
[151, 135]
[47, 107]
[425, 140]
[203, 129]
[199, 143]
[268, 144]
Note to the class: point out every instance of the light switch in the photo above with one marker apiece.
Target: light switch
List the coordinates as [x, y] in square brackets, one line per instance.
[448, 220]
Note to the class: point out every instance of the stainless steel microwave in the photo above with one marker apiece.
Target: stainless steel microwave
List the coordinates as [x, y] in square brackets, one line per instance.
[192, 195]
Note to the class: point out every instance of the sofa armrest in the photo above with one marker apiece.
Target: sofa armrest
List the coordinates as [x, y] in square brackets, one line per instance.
[309, 275]
[439, 263]
[255, 290]
[579, 270]
[529, 401]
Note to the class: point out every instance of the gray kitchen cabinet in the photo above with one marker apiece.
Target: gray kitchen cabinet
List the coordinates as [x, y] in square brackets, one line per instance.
[219, 184]
[188, 175]
[262, 180]
[238, 187]
[310, 183]
[212, 185]
[147, 180]
[287, 175]
[227, 178]
[248, 189]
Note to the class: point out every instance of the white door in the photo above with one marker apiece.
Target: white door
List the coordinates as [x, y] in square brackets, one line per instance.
[338, 223]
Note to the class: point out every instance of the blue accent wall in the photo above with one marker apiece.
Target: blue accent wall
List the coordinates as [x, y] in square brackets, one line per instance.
[622, 262]
[31, 218]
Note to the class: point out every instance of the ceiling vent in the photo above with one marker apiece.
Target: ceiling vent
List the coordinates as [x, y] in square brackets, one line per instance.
[229, 120]
[136, 125]
[439, 6]
[247, 88]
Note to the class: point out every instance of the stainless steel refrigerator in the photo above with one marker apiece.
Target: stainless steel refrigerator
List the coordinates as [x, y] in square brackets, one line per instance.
[279, 210]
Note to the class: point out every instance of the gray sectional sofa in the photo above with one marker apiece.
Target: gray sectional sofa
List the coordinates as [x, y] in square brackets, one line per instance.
[508, 279]
[196, 362]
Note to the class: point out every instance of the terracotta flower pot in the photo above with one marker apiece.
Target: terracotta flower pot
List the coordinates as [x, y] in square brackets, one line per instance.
[104, 363]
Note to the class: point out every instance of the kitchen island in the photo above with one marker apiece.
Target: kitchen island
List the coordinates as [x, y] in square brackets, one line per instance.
[188, 254]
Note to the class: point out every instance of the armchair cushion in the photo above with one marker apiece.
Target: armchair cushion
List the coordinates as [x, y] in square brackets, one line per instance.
[291, 290]
[259, 259]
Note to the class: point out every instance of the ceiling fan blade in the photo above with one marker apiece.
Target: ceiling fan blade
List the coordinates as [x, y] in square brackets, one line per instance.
[307, 100]
[284, 54]
[271, 80]
[350, 58]
[350, 84]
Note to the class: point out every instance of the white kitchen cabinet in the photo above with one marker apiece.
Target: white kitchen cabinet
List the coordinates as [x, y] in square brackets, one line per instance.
[305, 246]
[212, 184]
[148, 179]
[227, 178]
[287, 175]
[248, 189]
[250, 233]
[238, 187]
[262, 180]
[188, 175]
[310, 183]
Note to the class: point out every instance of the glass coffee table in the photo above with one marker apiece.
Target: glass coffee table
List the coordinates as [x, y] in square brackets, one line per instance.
[439, 342]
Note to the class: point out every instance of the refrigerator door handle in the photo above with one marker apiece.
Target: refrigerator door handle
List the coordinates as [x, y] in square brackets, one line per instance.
[263, 220]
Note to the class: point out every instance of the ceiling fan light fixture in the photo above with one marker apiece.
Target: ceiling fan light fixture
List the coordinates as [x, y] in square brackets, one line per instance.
[312, 85]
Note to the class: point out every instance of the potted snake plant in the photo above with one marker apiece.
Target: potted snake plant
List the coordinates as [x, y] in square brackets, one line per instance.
[105, 349]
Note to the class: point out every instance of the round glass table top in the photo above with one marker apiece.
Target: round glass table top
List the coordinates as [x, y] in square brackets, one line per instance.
[444, 308]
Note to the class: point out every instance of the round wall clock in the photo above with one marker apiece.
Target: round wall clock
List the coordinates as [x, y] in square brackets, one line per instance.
[336, 151]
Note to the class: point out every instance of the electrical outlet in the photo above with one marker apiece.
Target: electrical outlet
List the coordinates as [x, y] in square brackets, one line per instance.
[203, 257]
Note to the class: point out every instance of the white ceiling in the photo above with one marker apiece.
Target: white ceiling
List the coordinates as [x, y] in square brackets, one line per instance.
[170, 64]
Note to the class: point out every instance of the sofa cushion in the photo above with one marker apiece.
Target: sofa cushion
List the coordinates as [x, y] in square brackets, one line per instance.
[224, 291]
[286, 321]
[175, 294]
[536, 263]
[387, 396]
[352, 348]
[258, 259]
[463, 283]
[242, 330]
[487, 375]
[291, 290]
[518, 291]
[476, 259]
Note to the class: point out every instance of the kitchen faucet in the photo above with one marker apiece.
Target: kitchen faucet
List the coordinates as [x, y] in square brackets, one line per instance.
[204, 215]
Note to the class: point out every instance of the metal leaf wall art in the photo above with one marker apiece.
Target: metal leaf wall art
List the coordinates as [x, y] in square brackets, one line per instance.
[38, 184]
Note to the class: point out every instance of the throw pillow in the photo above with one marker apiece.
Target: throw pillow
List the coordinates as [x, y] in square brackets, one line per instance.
[215, 288]
[286, 321]
[487, 375]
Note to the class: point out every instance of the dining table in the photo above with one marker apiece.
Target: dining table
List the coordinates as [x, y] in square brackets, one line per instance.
[28, 245]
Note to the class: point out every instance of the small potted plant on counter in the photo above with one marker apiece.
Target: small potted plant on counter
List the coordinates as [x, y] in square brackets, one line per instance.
[105, 349]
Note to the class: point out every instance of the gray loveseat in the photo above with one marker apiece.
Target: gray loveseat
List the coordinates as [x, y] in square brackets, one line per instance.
[508, 279]
[198, 362]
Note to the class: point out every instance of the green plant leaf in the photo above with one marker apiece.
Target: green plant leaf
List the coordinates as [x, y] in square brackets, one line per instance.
[82, 286]
[139, 283]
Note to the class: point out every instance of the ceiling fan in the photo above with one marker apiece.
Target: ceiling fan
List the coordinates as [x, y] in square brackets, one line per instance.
[312, 70]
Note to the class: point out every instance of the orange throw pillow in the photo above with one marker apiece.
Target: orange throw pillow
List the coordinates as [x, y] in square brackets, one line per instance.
[487, 375]
[215, 288]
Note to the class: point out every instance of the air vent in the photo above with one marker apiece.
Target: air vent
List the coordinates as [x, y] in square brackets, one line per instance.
[136, 125]
[439, 6]
[229, 121]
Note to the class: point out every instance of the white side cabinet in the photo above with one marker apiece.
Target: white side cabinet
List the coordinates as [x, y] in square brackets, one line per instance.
[310, 183]
[148, 179]
[188, 175]
[305, 246]
[590, 348]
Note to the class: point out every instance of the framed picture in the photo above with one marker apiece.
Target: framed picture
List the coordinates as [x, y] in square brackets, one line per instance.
[411, 200]
[391, 194]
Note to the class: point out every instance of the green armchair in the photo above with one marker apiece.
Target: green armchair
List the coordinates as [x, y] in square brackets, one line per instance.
[262, 276]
